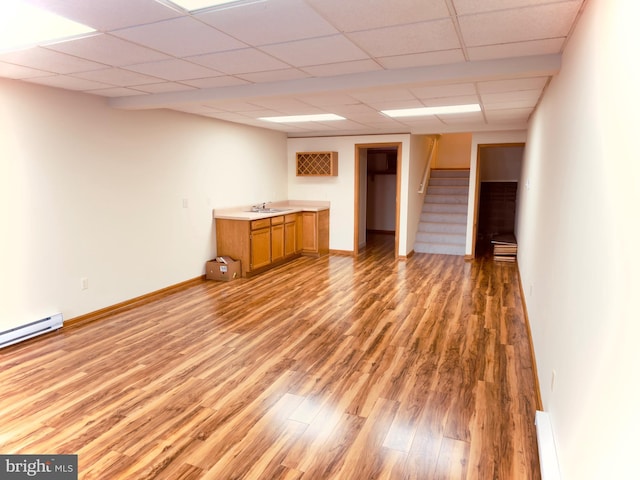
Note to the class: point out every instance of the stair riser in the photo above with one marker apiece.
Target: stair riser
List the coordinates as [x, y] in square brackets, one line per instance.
[438, 173]
[449, 182]
[444, 208]
[443, 238]
[430, 227]
[439, 249]
[447, 199]
[455, 218]
[448, 191]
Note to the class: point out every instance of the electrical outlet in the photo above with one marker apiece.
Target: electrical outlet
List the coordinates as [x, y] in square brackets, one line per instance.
[185, 203]
[84, 283]
[553, 379]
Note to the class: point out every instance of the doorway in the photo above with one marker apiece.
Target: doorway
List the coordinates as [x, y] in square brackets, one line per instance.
[499, 169]
[377, 192]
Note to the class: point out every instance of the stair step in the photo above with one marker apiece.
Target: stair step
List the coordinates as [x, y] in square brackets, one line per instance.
[445, 181]
[443, 220]
[437, 248]
[444, 208]
[443, 227]
[441, 238]
[446, 198]
[447, 190]
[436, 217]
[439, 173]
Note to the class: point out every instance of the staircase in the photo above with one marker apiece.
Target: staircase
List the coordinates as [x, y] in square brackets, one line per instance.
[443, 222]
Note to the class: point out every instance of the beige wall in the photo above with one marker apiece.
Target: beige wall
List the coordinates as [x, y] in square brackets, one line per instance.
[454, 151]
[340, 190]
[90, 191]
[578, 228]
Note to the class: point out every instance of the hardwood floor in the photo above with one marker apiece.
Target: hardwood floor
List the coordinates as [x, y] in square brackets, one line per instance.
[328, 368]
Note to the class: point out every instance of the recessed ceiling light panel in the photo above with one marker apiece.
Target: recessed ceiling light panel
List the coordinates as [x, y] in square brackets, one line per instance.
[423, 111]
[196, 5]
[321, 117]
[23, 25]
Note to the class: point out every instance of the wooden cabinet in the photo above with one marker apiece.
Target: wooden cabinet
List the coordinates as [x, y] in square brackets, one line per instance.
[260, 244]
[290, 240]
[277, 238]
[315, 232]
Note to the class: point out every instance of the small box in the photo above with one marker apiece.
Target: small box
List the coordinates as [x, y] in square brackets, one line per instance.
[224, 271]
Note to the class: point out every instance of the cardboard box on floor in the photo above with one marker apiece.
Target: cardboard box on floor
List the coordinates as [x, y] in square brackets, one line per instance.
[223, 269]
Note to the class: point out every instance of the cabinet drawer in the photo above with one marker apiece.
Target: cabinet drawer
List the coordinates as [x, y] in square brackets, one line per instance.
[262, 223]
[291, 217]
[277, 220]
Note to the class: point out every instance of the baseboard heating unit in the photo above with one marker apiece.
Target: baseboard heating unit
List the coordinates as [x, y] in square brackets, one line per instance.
[30, 330]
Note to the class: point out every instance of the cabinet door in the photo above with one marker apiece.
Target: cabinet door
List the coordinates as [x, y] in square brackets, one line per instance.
[260, 248]
[277, 242]
[309, 232]
[289, 238]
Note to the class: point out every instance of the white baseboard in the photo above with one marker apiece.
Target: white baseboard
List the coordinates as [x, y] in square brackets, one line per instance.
[549, 466]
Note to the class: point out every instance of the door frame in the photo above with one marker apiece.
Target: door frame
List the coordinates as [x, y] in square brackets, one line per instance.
[476, 200]
[359, 148]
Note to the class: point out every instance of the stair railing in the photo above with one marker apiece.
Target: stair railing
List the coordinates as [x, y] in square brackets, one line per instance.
[433, 143]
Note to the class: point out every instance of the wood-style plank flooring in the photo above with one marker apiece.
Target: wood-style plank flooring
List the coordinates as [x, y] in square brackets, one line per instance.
[329, 368]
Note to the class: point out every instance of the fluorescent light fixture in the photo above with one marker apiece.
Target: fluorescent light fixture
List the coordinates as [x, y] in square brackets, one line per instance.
[320, 117]
[418, 112]
[193, 5]
[23, 25]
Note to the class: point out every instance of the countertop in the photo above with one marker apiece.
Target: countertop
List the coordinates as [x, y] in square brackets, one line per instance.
[284, 208]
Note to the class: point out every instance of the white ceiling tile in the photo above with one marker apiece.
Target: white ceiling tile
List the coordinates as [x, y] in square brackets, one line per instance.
[518, 25]
[474, 117]
[116, 76]
[354, 15]
[329, 40]
[164, 87]
[439, 91]
[422, 122]
[387, 95]
[273, 76]
[246, 60]
[507, 114]
[513, 84]
[195, 108]
[108, 50]
[269, 22]
[69, 83]
[465, 7]
[174, 70]
[195, 37]
[343, 68]
[422, 59]
[215, 82]
[9, 70]
[233, 106]
[330, 99]
[517, 99]
[49, 60]
[109, 15]
[290, 106]
[453, 100]
[517, 49]
[316, 51]
[408, 39]
[353, 111]
[115, 92]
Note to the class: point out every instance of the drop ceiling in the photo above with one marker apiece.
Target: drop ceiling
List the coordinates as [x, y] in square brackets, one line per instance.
[353, 58]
